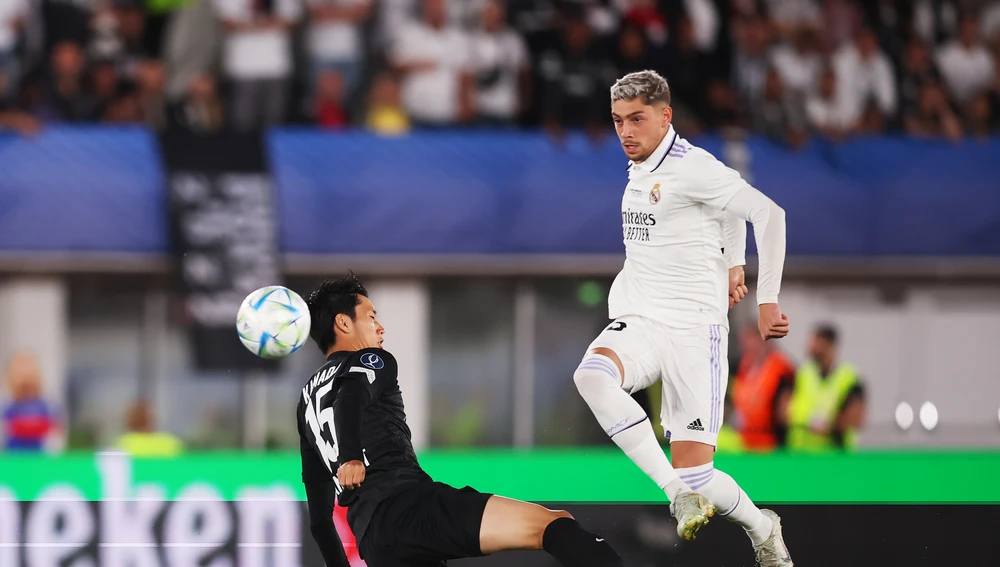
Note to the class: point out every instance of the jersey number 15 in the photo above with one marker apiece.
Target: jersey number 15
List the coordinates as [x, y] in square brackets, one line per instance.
[320, 421]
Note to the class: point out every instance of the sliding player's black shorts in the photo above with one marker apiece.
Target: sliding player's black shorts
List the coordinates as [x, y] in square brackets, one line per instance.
[424, 525]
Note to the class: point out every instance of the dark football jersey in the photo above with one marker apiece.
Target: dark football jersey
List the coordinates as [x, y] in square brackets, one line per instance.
[352, 409]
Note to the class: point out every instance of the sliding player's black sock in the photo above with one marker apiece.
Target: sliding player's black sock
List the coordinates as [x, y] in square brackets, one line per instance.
[566, 540]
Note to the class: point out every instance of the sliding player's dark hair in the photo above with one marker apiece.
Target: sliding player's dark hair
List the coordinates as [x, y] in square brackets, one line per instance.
[333, 297]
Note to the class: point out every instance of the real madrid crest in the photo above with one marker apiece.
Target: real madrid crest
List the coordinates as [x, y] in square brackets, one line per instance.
[654, 195]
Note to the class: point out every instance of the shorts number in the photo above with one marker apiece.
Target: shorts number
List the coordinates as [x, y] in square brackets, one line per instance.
[323, 429]
[617, 326]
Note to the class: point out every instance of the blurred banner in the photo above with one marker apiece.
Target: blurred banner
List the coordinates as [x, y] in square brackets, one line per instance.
[473, 193]
[225, 237]
[246, 510]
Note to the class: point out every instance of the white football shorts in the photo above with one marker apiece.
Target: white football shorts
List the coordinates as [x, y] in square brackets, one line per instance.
[693, 365]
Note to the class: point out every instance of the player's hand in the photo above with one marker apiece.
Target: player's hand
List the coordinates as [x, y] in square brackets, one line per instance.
[737, 288]
[772, 323]
[351, 474]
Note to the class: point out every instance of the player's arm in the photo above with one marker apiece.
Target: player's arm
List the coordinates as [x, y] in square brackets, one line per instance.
[721, 187]
[320, 497]
[353, 397]
[368, 372]
[735, 250]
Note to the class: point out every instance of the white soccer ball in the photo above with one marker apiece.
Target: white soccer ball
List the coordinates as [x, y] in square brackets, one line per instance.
[273, 322]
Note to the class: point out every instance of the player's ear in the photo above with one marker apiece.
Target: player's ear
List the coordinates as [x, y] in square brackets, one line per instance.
[342, 323]
[668, 113]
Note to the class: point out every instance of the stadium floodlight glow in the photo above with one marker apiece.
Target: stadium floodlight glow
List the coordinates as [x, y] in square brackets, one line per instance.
[904, 415]
[928, 416]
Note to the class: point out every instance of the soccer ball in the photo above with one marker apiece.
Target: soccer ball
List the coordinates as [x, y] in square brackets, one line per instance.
[273, 322]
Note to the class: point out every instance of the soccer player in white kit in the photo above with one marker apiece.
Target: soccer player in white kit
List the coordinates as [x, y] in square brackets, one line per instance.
[684, 219]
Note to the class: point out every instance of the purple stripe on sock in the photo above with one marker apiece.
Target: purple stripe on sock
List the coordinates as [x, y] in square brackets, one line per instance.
[703, 482]
[599, 365]
[695, 477]
[610, 366]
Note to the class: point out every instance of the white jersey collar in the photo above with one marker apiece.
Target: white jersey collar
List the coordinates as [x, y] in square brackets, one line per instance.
[655, 159]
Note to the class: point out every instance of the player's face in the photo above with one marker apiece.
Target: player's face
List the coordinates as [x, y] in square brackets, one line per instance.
[368, 330]
[641, 127]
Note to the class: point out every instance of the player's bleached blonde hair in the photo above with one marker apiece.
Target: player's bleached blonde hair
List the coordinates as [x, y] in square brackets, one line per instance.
[647, 86]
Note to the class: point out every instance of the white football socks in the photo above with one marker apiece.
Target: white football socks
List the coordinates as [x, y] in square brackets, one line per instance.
[729, 499]
[623, 419]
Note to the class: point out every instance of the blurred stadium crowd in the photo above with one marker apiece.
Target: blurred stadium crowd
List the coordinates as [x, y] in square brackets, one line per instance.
[786, 69]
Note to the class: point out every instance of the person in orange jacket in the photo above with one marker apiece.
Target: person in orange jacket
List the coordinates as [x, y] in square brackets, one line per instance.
[762, 388]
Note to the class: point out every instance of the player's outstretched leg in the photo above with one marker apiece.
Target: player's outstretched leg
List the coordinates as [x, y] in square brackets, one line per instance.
[512, 524]
[599, 381]
[763, 526]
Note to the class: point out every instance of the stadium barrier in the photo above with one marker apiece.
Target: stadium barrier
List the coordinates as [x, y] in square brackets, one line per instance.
[246, 510]
[102, 191]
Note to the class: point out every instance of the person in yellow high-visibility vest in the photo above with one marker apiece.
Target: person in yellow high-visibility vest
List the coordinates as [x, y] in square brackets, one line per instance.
[142, 439]
[827, 406]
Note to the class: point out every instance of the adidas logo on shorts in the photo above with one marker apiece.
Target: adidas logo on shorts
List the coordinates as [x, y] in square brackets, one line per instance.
[696, 425]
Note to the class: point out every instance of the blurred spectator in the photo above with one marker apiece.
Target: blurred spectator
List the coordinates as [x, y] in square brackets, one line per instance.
[991, 21]
[151, 83]
[827, 113]
[103, 85]
[126, 106]
[872, 122]
[918, 71]
[790, 16]
[632, 51]
[798, 62]
[66, 20]
[200, 109]
[386, 114]
[131, 18]
[864, 73]
[751, 60]
[13, 14]
[29, 422]
[328, 110]
[500, 63]
[934, 20]
[827, 406]
[761, 391]
[978, 115]
[142, 439]
[433, 58]
[966, 64]
[12, 118]
[646, 15]
[780, 117]
[257, 59]
[933, 117]
[892, 21]
[576, 79]
[64, 98]
[724, 110]
[841, 21]
[687, 70]
[335, 39]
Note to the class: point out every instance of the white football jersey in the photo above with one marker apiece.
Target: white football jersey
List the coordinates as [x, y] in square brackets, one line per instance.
[675, 270]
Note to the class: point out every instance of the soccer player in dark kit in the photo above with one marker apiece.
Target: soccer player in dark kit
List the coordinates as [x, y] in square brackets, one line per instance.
[355, 442]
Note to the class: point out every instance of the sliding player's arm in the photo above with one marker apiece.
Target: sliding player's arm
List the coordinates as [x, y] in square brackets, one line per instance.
[321, 495]
[710, 182]
[368, 372]
[353, 396]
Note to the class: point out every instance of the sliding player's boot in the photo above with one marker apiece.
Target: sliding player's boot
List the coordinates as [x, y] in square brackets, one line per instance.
[692, 511]
[773, 553]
